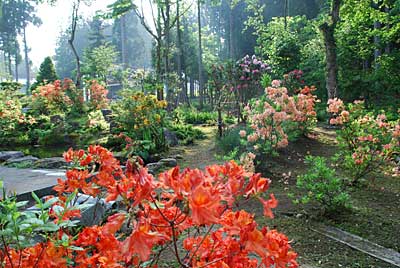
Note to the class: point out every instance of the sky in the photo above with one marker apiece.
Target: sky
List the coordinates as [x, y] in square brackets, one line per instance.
[42, 40]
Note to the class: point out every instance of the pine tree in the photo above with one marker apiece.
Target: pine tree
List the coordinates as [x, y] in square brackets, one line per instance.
[47, 73]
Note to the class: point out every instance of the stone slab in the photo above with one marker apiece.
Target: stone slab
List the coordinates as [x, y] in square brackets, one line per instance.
[385, 254]
[24, 181]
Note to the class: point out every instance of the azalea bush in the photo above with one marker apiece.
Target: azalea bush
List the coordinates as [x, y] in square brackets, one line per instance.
[367, 142]
[248, 75]
[277, 117]
[14, 124]
[294, 81]
[191, 213]
[142, 118]
[55, 98]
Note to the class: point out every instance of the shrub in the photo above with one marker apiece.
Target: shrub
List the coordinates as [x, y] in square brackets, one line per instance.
[47, 73]
[187, 134]
[320, 184]
[10, 85]
[141, 118]
[276, 118]
[230, 144]
[367, 142]
[195, 117]
[55, 98]
[14, 124]
[152, 216]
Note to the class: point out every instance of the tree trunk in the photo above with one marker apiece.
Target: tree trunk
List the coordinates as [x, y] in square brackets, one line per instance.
[166, 49]
[200, 60]
[74, 23]
[9, 64]
[285, 12]
[78, 64]
[377, 39]
[27, 67]
[180, 59]
[191, 87]
[123, 41]
[328, 32]
[160, 92]
[231, 37]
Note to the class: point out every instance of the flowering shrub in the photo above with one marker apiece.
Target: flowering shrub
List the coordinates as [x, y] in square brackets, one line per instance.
[192, 206]
[294, 81]
[142, 118]
[12, 120]
[249, 72]
[247, 79]
[97, 95]
[367, 142]
[53, 98]
[276, 115]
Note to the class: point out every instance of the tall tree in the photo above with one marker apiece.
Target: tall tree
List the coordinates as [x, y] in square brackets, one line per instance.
[74, 23]
[28, 17]
[47, 73]
[200, 55]
[180, 55]
[328, 31]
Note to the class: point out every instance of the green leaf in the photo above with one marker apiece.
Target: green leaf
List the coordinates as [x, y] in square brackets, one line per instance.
[37, 199]
[49, 227]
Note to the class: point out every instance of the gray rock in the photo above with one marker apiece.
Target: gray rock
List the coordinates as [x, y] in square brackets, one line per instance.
[6, 155]
[171, 138]
[178, 156]
[51, 163]
[154, 167]
[168, 162]
[92, 212]
[95, 211]
[25, 160]
[93, 215]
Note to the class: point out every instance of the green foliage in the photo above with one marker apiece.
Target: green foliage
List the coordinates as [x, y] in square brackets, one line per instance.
[190, 115]
[320, 184]
[230, 144]
[21, 229]
[10, 85]
[283, 47]
[186, 134]
[141, 118]
[99, 62]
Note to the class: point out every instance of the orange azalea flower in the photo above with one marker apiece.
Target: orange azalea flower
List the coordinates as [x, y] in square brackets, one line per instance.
[268, 204]
[141, 241]
[205, 205]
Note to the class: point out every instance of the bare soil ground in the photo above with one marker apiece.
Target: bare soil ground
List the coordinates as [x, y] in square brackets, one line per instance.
[375, 215]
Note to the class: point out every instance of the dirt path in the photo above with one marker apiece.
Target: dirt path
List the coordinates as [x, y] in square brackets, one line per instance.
[200, 154]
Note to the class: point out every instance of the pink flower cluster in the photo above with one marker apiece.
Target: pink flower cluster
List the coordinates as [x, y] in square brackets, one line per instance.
[337, 108]
[250, 70]
[267, 116]
[54, 93]
[370, 140]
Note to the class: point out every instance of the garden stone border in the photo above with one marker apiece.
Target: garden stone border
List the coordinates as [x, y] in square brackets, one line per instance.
[385, 254]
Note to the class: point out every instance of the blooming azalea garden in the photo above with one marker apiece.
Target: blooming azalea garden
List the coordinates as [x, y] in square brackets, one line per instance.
[204, 134]
[204, 218]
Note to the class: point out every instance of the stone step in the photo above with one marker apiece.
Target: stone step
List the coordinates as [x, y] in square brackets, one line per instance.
[24, 181]
[385, 254]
